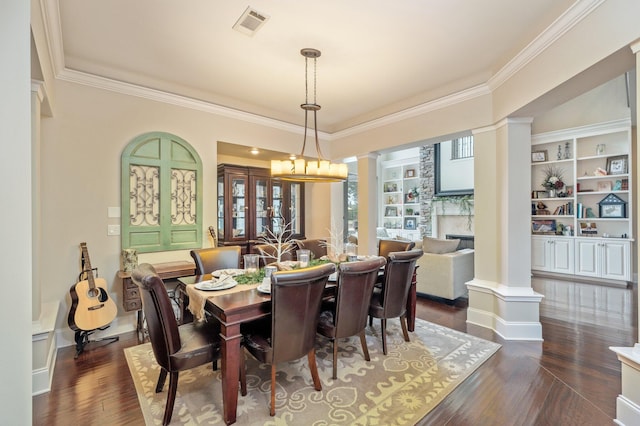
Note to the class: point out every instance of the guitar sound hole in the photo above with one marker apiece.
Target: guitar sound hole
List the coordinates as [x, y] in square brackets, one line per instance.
[93, 292]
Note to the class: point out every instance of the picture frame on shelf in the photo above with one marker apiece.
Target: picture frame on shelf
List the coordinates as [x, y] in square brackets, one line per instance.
[588, 228]
[390, 187]
[391, 211]
[569, 190]
[410, 173]
[409, 223]
[612, 207]
[543, 226]
[604, 186]
[539, 194]
[538, 156]
[617, 165]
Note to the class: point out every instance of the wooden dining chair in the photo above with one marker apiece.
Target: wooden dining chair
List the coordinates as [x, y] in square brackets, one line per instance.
[211, 259]
[290, 333]
[176, 348]
[346, 314]
[390, 301]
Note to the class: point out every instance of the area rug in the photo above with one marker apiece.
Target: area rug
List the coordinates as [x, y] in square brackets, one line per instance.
[397, 389]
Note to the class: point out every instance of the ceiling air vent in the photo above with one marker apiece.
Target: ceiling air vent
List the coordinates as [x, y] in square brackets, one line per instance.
[250, 21]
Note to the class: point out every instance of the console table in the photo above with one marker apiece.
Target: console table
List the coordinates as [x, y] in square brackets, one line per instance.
[169, 272]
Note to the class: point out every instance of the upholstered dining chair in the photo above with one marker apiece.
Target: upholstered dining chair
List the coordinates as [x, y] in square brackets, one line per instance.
[211, 259]
[176, 348]
[346, 314]
[387, 246]
[268, 253]
[391, 300]
[290, 333]
[318, 246]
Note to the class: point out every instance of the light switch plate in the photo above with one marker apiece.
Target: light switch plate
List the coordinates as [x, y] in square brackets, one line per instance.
[113, 229]
[113, 211]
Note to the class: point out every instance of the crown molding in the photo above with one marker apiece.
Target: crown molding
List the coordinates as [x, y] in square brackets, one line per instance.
[50, 11]
[565, 22]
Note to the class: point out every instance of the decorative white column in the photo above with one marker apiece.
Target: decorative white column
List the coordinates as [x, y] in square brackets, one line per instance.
[628, 402]
[367, 202]
[500, 295]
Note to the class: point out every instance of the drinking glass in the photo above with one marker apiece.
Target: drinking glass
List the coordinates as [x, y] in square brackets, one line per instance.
[251, 263]
[303, 257]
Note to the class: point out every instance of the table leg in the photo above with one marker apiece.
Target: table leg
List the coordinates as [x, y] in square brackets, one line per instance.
[411, 304]
[231, 353]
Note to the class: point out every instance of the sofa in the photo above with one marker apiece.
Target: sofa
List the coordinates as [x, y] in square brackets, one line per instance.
[444, 269]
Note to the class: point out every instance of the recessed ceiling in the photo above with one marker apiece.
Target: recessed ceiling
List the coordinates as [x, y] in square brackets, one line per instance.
[377, 57]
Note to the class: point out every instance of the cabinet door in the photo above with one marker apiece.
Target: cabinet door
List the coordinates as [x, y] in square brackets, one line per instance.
[587, 263]
[239, 209]
[296, 211]
[562, 255]
[261, 209]
[221, 212]
[615, 260]
[539, 258]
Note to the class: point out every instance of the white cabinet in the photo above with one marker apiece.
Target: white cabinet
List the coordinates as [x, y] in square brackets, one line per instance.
[594, 163]
[552, 254]
[603, 258]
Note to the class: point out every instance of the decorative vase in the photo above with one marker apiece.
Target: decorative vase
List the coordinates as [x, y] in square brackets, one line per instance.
[552, 193]
[129, 260]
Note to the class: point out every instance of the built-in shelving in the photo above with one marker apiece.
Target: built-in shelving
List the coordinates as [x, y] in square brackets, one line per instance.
[595, 162]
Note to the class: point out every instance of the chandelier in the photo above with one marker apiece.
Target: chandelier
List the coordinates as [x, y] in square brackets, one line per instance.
[299, 169]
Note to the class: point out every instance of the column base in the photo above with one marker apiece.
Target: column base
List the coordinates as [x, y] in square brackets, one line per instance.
[512, 312]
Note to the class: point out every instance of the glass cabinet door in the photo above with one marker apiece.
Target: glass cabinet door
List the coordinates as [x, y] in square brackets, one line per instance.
[262, 207]
[239, 207]
[221, 207]
[277, 217]
[295, 210]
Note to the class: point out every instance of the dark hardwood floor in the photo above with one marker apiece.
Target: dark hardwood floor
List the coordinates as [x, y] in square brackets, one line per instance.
[572, 378]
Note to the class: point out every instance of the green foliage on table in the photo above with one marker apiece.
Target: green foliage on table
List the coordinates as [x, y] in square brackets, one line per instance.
[257, 277]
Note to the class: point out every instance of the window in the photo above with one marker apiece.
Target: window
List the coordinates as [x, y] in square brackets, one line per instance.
[454, 176]
[462, 148]
[161, 193]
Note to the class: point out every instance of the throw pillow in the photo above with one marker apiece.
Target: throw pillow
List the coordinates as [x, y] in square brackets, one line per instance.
[437, 246]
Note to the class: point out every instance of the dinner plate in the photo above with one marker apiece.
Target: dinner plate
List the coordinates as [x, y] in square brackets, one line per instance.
[211, 285]
[264, 287]
[232, 272]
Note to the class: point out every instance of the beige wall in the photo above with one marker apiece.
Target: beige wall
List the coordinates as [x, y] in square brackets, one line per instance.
[80, 173]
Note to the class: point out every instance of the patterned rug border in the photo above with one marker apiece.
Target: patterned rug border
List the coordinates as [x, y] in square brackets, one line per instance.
[394, 399]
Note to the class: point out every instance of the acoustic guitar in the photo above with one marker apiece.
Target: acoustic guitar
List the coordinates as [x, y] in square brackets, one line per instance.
[91, 306]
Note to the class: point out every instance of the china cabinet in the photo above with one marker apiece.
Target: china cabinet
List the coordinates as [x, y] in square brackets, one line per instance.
[253, 206]
[591, 208]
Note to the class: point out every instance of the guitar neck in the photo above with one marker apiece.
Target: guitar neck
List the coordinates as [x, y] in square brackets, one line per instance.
[87, 266]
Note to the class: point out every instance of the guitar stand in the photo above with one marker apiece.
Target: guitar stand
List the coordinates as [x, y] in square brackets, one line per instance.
[82, 339]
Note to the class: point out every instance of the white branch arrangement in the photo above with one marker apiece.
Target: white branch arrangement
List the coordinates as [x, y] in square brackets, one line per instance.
[335, 244]
[280, 242]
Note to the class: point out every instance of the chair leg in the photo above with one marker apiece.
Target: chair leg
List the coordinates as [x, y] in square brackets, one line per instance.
[365, 349]
[403, 323]
[335, 358]
[272, 410]
[314, 370]
[384, 335]
[171, 397]
[161, 379]
[215, 365]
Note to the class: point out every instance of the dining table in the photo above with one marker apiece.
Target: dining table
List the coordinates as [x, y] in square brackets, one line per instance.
[234, 306]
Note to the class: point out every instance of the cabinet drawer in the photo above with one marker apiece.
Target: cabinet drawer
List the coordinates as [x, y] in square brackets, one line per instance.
[132, 305]
[131, 294]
